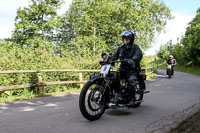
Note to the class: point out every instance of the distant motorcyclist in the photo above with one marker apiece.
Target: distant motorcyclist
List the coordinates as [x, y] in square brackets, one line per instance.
[131, 67]
[171, 61]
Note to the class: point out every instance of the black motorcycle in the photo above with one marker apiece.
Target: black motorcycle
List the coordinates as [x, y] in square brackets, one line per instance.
[108, 90]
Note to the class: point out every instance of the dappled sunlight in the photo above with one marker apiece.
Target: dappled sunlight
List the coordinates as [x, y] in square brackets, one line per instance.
[161, 76]
[26, 109]
[25, 102]
[51, 105]
[32, 105]
[4, 108]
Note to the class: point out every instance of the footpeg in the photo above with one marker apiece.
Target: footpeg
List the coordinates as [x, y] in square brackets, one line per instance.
[112, 105]
[136, 102]
[146, 92]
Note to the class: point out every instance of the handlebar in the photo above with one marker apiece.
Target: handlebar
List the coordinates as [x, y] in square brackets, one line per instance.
[113, 62]
[124, 60]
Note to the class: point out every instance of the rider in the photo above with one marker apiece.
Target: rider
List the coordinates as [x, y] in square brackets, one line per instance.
[171, 61]
[131, 67]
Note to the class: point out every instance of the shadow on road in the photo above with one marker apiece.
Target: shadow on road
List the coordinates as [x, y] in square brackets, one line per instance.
[52, 102]
[118, 112]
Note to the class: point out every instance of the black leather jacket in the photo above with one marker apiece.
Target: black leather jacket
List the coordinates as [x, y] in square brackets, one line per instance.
[132, 52]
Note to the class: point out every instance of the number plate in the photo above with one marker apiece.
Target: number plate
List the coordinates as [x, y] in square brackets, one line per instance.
[169, 66]
[105, 68]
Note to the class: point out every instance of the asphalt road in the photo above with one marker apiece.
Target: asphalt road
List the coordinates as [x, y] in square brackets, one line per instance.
[170, 102]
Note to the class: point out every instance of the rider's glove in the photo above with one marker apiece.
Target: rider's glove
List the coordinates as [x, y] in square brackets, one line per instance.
[131, 62]
[101, 63]
[112, 61]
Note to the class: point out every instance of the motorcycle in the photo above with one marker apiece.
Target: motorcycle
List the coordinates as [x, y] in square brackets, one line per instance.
[108, 90]
[169, 71]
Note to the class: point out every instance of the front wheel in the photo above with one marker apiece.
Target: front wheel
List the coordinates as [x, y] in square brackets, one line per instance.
[169, 73]
[92, 101]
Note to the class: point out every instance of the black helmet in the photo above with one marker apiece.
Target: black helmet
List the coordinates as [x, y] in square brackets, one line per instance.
[130, 34]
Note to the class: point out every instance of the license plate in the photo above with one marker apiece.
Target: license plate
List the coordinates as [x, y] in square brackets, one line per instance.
[105, 69]
[169, 66]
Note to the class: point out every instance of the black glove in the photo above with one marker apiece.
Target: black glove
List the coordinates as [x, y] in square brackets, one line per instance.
[101, 62]
[131, 62]
[112, 61]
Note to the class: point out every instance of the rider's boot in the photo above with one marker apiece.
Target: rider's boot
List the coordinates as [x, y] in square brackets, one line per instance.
[132, 101]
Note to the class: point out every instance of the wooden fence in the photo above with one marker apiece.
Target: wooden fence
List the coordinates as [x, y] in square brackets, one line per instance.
[40, 83]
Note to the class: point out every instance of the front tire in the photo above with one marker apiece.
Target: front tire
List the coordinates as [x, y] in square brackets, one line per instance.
[169, 73]
[92, 101]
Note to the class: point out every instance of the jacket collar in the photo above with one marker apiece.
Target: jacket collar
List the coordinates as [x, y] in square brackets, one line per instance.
[129, 46]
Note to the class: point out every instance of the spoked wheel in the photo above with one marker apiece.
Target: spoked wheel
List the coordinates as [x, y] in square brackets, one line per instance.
[139, 93]
[92, 101]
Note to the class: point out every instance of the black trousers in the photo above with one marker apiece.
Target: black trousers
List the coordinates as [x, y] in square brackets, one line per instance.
[131, 76]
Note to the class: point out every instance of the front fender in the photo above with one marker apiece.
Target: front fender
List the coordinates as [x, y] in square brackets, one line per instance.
[97, 80]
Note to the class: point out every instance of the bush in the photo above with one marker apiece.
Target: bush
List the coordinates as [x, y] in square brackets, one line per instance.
[26, 58]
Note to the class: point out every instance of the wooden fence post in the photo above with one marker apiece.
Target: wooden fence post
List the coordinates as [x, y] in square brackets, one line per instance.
[81, 79]
[41, 89]
[40, 84]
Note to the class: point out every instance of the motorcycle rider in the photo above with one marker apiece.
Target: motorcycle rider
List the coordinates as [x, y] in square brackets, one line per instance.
[171, 61]
[131, 67]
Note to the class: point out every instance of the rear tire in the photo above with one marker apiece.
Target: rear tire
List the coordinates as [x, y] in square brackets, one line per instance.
[92, 101]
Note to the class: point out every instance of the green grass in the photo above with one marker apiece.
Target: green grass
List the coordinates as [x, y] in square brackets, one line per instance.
[182, 68]
[151, 76]
[12, 98]
[190, 126]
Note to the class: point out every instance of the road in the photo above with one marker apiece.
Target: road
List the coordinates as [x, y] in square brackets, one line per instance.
[170, 102]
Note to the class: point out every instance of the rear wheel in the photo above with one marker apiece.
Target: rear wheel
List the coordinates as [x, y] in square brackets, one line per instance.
[92, 101]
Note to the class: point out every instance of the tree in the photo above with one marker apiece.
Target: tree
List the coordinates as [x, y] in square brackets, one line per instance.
[36, 24]
[191, 41]
[106, 20]
[166, 50]
[198, 10]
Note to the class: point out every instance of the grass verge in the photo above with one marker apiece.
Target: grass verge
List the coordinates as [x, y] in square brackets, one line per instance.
[187, 69]
[30, 95]
[192, 125]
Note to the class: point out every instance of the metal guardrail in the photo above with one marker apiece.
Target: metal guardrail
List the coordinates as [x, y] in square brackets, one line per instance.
[40, 83]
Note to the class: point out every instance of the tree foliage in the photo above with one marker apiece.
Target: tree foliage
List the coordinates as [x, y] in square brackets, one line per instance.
[191, 40]
[106, 20]
[171, 49]
[26, 58]
[163, 52]
[188, 50]
[36, 24]
[80, 35]
[90, 25]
